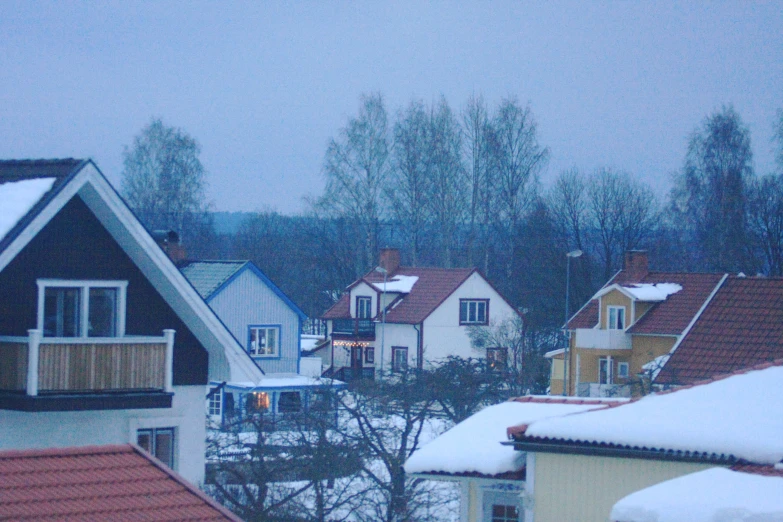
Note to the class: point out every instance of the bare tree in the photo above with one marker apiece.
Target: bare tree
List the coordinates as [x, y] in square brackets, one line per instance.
[710, 194]
[778, 136]
[765, 220]
[355, 167]
[409, 183]
[477, 159]
[163, 179]
[447, 178]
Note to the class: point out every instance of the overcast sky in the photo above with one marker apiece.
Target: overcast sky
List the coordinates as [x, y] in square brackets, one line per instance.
[263, 86]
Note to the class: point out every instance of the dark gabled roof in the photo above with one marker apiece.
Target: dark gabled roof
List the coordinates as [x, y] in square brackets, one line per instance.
[208, 276]
[742, 326]
[669, 317]
[430, 290]
[61, 170]
[98, 483]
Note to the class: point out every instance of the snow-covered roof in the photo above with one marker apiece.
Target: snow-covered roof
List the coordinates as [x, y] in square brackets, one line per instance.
[654, 367]
[474, 445]
[18, 198]
[311, 341]
[649, 292]
[401, 284]
[733, 417]
[712, 495]
[554, 353]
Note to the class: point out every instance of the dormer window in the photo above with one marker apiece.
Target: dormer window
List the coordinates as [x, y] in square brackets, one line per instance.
[616, 318]
[363, 307]
[81, 308]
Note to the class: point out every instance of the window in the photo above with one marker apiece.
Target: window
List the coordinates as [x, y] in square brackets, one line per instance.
[81, 308]
[369, 355]
[158, 442]
[320, 401]
[605, 371]
[363, 307]
[616, 318]
[399, 358]
[473, 311]
[215, 402]
[257, 402]
[497, 359]
[264, 341]
[622, 370]
[289, 402]
[502, 513]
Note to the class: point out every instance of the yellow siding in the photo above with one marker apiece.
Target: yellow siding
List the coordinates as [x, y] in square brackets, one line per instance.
[588, 363]
[473, 501]
[615, 298]
[648, 347]
[641, 309]
[578, 488]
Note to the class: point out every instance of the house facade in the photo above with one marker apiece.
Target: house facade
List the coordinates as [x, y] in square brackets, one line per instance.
[268, 324]
[398, 317]
[102, 340]
[579, 466]
[638, 317]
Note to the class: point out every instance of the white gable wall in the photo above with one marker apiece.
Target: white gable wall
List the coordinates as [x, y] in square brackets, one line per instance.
[395, 335]
[21, 430]
[364, 290]
[247, 300]
[443, 336]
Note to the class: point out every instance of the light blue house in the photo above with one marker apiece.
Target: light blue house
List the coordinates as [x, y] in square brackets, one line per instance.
[268, 325]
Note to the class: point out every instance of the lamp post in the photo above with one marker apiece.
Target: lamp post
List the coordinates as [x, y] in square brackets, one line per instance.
[385, 273]
[566, 361]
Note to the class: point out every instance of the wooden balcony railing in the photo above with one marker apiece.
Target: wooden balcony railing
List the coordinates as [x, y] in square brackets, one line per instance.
[68, 365]
[356, 327]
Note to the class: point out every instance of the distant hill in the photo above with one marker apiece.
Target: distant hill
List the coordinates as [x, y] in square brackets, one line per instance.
[229, 222]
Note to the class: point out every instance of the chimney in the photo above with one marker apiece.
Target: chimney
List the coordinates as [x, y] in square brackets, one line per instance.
[390, 259]
[635, 266]
[168, 241]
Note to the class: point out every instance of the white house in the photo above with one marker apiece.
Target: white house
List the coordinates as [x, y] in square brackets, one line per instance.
[268, 324]
[397, 317]
[102, 339]
[491, 475]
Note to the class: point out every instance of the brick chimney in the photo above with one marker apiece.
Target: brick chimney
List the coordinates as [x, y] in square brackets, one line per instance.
[635, 266]
[390, 259]
[168, 241]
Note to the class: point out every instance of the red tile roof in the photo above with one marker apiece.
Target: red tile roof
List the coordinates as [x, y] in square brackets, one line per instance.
[115, 483]
[669, 317]
[432, 288]
[742, 326]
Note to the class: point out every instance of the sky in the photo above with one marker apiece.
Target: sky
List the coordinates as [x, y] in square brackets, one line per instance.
[264, 86]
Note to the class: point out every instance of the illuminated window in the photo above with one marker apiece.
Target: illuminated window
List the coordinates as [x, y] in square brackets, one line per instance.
[497, 359]
[264, 341]
[258, 402]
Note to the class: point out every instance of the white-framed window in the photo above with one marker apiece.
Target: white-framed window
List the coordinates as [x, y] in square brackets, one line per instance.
[399, 358]
[363, 307]
[215, 406]
[505, 513]
[264, 341]
[623, 370]
[473, 311]
[369, 355]
[616, 319]
[70, 308]
[605, 371]
[159, 442]
[497, 358]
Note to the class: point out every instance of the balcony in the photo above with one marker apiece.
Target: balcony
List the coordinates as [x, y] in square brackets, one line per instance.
[54, 374]
[603, 339]
[364, 328]
[593, 389]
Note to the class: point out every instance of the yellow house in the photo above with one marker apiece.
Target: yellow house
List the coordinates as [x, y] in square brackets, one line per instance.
[636, 318]
[578, 466]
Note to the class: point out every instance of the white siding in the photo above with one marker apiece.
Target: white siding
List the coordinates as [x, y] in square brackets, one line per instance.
[396, 335]
[35, 430]
[247, 300]
[364, 290]
[443, 336]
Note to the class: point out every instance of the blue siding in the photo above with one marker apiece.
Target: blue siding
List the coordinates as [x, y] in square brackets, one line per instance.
[247, 300]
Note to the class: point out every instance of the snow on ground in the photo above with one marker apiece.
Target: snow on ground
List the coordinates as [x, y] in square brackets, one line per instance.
[401, 284]
[652, 292]
[474, 445]
[737, 415]
[18, 197]
[712, 495]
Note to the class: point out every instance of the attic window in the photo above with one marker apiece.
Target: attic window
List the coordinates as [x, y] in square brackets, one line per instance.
[473, 311]
[81, 308]
[616, 318]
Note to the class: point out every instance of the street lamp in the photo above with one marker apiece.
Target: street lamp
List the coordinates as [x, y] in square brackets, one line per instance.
[385, 273]
[566, 361]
